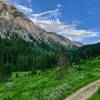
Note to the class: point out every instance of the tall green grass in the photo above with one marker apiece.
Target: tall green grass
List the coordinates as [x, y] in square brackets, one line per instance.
[46, 85]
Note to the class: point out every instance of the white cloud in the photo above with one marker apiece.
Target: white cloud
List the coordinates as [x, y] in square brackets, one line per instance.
[50, 21]
[53, 15]
[59, 5]
[29, 1]
[24, 9]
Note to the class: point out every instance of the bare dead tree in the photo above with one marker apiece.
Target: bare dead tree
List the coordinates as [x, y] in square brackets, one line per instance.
[63, 61]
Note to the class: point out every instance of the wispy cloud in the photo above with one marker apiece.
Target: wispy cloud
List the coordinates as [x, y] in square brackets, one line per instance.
[59, 5]
[50, 21]
[24, 9]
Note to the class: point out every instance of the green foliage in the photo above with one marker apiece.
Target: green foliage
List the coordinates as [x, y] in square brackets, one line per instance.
[22, 54]
[17, 56]
[45, 85]
[5, 72]
[84, 53]
[28, 55]
[89, 51]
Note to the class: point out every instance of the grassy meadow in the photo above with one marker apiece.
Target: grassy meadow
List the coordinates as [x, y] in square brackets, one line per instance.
[47, 85]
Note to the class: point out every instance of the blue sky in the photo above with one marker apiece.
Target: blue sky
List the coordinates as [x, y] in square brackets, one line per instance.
[79, 20]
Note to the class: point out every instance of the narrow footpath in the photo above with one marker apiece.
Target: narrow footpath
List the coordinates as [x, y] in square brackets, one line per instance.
[85, 92]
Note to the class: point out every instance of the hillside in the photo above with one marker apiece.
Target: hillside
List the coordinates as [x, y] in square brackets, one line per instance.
[13, 21]
[46, 85]
[89, 51]
[25, 46]
[36, 64]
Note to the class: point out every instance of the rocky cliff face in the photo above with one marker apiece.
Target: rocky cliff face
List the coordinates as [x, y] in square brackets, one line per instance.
[13, 21]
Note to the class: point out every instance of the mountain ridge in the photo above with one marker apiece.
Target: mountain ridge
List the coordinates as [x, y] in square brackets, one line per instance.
[12, 20]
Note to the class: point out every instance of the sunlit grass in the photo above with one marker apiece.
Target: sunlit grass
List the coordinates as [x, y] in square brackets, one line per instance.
[46, 85]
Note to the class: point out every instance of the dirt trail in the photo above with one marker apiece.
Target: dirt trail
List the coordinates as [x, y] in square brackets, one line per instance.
[85, 92]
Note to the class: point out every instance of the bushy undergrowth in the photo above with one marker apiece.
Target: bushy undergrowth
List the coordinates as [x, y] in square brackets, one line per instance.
[46, 86]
